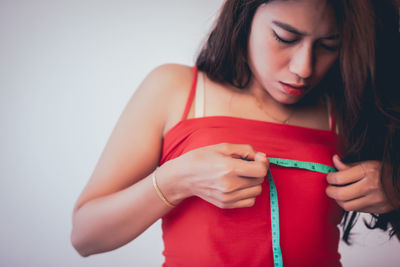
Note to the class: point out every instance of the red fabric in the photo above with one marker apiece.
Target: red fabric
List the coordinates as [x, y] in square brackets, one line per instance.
[197, 233]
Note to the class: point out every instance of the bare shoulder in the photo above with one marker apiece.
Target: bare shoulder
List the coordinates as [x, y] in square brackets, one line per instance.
[168, 78]
[133, 148]
[167, 88]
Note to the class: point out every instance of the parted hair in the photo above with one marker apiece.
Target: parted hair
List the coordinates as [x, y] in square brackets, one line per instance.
[362, 84]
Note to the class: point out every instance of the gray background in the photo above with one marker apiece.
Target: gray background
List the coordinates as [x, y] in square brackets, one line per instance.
[67, 69]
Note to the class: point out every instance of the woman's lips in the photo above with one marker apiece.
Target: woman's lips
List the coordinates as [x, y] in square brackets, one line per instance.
[294, 90]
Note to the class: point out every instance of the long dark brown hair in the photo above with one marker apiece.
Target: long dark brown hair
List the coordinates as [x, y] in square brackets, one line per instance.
[363, 84]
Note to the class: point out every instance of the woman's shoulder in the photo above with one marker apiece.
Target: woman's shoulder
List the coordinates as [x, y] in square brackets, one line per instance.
[171, 73]
[167, 88]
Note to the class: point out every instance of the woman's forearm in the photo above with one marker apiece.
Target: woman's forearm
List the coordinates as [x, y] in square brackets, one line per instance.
[210, 172]
[108, 222]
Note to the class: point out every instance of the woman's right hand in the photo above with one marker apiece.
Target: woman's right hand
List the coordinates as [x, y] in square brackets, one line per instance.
[219, 175]
[119, 201]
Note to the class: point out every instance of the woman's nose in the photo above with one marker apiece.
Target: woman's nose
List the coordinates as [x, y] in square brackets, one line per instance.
[302, 62]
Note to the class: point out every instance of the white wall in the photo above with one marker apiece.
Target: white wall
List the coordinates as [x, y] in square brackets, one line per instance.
[67, 69]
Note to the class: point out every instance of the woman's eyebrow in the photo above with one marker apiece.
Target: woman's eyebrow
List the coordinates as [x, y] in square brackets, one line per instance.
[293, 30]
[288, 28]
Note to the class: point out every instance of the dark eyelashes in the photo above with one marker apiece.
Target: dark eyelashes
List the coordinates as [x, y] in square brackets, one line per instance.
[279, 39]
[289, 42]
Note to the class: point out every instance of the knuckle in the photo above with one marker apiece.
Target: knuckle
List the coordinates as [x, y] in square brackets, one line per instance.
[224, 146]
[332, 192]
[374, 185]
[225, 198]
[371, 167]
[339, 195]
[333, 178]
[329, 178]
[381, 199]
[249, 147]
[247, 203]
[263, 170]
[376, 164]
[260, 181]
[225, 190]
[258, 190]
[226, 186]
[347, 206]
[251, 202]
[340, 203]
[267, 163]
[256, 181]
[207, 194]
[337, 178]
[385, 203]
[228, 168]
[328, 191]
[222, 205]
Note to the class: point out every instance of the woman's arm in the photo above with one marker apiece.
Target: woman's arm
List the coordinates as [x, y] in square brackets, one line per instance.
[108, 222]
[115, 207]
[119, 202]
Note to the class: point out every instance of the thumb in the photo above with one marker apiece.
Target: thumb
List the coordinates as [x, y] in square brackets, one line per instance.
[259, 156]
[339, 164]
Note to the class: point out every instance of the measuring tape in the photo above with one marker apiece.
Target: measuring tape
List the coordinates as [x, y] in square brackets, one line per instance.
[311, 166]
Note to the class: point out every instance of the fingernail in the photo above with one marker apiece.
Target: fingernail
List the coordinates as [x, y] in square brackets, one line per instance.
[263, 156]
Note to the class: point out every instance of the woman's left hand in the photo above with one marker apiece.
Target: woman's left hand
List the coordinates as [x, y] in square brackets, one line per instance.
[358, 187]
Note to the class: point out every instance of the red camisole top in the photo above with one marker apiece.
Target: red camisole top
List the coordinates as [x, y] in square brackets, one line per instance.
[197, 233]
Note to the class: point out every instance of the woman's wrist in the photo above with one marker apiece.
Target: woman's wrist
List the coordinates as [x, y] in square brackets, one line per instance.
[170, 183]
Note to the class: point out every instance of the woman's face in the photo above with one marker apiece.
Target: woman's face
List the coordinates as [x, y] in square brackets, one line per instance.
[292, 45]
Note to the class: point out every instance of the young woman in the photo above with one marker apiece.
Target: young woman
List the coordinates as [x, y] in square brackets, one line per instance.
[281, 87]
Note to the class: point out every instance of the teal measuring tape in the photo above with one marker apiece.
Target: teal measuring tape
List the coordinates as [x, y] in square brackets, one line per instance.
[311, 166]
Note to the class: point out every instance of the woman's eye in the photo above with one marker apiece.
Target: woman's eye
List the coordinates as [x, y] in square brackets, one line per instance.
[282, 40]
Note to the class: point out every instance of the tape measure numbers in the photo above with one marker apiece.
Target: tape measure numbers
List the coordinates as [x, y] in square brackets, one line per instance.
[311, 166]
[288, 163]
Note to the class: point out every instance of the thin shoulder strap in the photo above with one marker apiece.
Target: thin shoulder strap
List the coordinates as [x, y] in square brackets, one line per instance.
[331, 114]
[199, 100]
[191, 94]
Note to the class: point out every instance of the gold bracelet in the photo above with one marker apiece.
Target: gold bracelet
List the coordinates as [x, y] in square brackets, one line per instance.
[169, 204]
